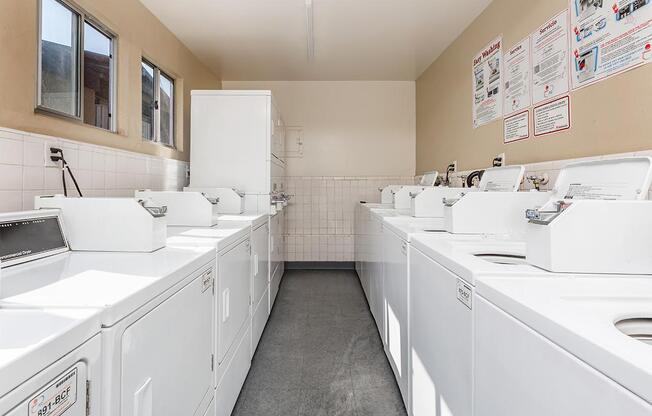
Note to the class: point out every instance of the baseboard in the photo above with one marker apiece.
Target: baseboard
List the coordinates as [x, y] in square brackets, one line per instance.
[319, 265]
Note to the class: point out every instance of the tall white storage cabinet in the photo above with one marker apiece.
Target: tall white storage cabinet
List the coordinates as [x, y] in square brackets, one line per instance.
[238, 140]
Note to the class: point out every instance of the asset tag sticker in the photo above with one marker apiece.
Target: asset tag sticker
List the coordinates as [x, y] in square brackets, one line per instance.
[464, 293]
[55, 399]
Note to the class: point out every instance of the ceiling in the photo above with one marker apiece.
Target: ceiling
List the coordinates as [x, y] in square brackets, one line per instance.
[353, 39]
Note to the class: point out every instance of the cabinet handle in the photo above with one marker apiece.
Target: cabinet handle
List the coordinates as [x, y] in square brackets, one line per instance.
[226, 307]
[255, 264]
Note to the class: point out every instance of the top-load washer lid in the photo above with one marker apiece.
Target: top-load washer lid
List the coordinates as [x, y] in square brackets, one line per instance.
[429, 178]
[610, 179]
[502, 179]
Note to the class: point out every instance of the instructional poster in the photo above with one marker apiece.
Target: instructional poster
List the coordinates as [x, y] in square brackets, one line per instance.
[550, 59]
[487, 84]
[552, 117]
[517, 127]
[609, 38]
[517, 78]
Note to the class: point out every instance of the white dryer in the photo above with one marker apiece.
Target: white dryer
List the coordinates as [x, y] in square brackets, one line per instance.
[142, 299]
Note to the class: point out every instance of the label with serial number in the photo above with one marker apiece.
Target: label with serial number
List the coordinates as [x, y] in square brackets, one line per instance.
[56, 398]
[465, 293]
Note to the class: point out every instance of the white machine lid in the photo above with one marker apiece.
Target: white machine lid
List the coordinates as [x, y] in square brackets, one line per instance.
[503, 179]
[32, 339]
[429, 178]
[624, 179]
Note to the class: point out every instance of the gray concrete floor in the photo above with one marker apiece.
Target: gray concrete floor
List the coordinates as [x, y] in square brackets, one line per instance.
[320, 353]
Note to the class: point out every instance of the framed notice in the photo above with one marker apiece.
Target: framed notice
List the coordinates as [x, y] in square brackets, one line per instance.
[517, 127]
[552, 117]
[550, 59]
[518, 77]
[487, 74]
[608, 38]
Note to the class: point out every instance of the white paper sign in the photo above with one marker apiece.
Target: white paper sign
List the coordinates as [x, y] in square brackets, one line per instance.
[608, 38]
[517, 78]
[56, 398]
[550, 59]
[517, 127]
[552, 117]
[487, 84]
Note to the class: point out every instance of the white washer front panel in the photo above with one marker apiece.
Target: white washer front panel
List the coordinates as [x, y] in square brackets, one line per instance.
[441, 339]
[519, 372]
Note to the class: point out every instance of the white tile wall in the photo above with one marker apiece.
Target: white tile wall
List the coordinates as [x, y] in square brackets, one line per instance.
[319, 218]
[100, 171]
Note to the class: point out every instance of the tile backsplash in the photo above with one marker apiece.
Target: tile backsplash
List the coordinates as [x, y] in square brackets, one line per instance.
[26, 171]
[319, 218]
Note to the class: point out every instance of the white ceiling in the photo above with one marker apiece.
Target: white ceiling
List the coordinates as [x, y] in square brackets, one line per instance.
[354, 39]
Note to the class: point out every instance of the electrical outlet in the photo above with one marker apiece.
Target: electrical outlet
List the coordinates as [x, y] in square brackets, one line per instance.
[48, 163]
[502, 159]
[454, 165]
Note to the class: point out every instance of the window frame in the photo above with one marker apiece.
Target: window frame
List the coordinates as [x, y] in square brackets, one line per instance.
[82, 18]
[158, 73]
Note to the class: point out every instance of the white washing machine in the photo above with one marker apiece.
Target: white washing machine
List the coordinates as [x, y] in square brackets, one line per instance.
[443, 275]
[142, 298]
[566, 346]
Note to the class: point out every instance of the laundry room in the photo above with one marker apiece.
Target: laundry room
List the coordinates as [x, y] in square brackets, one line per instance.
[325, 207]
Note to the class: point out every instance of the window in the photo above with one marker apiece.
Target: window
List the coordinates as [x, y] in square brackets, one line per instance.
[158, 105]
[75, 65]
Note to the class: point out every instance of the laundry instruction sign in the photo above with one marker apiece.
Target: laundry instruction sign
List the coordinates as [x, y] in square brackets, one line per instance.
[487, 75]
[609, 38]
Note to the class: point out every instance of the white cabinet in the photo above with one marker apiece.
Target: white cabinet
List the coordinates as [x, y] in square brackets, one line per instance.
[395, 285]
[238, 139]
[234, 294]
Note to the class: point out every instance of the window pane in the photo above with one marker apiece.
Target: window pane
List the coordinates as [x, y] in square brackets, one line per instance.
[59, 58]
[97, 77]
[166, 109]
[148, 100]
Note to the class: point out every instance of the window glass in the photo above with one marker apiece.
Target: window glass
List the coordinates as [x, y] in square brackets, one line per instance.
[148, 99]
[97, 77]
[166, 103]
[59, 58]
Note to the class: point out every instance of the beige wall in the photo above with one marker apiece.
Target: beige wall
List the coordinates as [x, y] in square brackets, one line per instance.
[609, 117]
[351, 128]
[139, 34]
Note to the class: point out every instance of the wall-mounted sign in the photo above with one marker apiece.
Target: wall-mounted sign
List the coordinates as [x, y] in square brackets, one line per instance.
[550, 59]
[608, 38]
[518, 77]
[517, 127]
[487, 72]
[552, 117]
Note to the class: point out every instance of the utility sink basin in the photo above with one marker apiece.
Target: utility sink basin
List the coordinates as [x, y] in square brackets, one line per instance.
[637, 328]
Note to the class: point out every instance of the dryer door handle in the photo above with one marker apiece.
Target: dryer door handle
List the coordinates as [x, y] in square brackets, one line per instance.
[226, 305]
[143, 399]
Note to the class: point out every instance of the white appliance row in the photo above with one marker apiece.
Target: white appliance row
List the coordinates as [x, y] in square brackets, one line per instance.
[107, 310]
[535, 337]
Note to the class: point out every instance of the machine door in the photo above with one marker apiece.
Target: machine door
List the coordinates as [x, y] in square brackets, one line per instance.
[62, 394]
[167, 354]
[260, 262]
[395, 277]
[234, 296]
